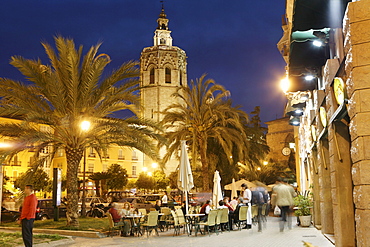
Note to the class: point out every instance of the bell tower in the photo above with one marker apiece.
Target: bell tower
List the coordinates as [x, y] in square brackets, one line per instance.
[162, 70]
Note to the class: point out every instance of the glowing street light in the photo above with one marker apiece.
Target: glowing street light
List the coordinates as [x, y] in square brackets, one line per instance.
[154, 165]
[285, 84]
[150, 174]
[265, 163]
[258, 168]
[85, 125]
[145, 169]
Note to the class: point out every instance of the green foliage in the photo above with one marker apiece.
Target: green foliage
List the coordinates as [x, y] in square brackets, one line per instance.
[204, 111]
[269, 173]
[161, 181]
[145, 182]
[304, 204]
[173, 178]
[38, 178]
[59, 95]
[117, 177]
[15, 239]
[131, 183]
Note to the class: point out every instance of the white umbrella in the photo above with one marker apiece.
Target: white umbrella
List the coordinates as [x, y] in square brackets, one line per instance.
[185, 182]
[217, 191]
[234, 192]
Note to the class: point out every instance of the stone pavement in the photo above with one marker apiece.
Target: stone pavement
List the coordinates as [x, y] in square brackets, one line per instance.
[269, 237]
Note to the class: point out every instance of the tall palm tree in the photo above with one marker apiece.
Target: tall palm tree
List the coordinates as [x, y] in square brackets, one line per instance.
[60, 95]
[204, 112]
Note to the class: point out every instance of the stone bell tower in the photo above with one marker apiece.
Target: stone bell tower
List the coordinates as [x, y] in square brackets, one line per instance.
[163, 70]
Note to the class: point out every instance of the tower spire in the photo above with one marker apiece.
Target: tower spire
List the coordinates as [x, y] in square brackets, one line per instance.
[162, 14]
[162, 33]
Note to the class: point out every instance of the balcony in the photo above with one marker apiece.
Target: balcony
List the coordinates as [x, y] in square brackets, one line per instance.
[91, 155]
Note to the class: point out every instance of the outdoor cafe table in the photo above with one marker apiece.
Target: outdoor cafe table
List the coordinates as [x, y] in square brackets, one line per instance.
[133, 223]
[192, 220]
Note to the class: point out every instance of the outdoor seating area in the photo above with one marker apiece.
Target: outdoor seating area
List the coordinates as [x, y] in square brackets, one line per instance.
[219, 220]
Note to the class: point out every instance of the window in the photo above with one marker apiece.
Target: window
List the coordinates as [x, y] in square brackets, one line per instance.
[151, 78]
[120, 154]
[133, 170]
[32, 161]
[91, 152]
[105, 167]
[180, 78]
[91, 168]
[60, 152]
[168, 75]
[59, 165]
[15, 174]
[16, 162]
[134, 155]
[152, 113]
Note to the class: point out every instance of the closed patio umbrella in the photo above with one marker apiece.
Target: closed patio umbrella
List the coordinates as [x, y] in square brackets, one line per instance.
[217, 191]
[185, 181]
[234, 192]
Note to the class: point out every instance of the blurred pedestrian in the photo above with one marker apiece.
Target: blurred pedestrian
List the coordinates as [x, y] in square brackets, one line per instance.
[284, 200]
[28, 215]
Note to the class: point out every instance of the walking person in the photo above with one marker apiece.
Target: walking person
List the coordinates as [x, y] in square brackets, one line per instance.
[247, 198]
[28, 213]
[284, 200]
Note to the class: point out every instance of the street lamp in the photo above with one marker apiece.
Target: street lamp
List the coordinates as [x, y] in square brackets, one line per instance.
[85, 126]
[265, 163]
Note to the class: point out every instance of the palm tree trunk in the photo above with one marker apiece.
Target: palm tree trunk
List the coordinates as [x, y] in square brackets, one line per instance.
[74, 156]
[97, 187]
[205, 166]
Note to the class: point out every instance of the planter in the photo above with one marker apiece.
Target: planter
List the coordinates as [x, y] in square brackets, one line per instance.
[305, 220]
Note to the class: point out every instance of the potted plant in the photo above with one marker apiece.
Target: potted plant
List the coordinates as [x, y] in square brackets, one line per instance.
[303, 211]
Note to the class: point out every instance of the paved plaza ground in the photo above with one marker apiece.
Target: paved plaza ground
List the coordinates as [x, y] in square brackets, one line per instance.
[269, 237]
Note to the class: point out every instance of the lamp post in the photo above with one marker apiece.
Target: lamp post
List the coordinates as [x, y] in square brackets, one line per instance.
[85, 126]
[2, 146]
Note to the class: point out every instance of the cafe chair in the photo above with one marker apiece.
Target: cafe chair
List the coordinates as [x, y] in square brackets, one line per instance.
[152, 222]
[113, 228]
[211, 221]
[242, 216]
[225, 219]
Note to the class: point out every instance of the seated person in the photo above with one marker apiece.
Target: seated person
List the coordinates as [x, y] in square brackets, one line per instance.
[221, 204]
[236, 211]
[227, 204]
[117, 218]
[205, 209]
[158, 205]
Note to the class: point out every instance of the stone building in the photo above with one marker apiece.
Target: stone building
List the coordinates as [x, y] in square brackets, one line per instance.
[326, 45]
[163, 71]
[280, 139]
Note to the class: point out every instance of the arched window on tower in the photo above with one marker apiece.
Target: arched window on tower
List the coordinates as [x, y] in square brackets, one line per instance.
[168, 75]
[180, 78]
[151, 77]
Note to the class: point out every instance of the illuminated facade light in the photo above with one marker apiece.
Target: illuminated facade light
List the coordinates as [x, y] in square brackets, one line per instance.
[309, 77]
[317, 43]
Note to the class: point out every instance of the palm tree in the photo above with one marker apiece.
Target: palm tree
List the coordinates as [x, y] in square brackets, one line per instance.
[60, 95]
[203, 113]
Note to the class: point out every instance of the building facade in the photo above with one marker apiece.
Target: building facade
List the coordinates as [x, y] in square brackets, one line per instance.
[326, 45]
